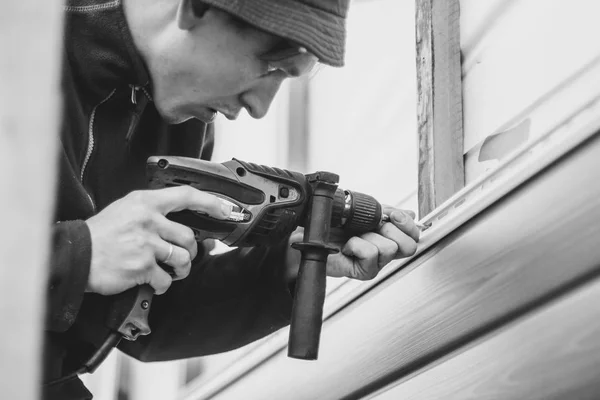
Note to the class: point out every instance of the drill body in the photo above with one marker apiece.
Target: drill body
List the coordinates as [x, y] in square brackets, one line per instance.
[268, 204]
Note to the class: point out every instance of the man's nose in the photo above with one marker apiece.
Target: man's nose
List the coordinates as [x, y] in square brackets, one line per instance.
[258, 99]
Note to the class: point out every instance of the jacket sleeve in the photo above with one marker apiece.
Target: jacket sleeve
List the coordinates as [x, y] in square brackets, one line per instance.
[69, 270]
[226, 302]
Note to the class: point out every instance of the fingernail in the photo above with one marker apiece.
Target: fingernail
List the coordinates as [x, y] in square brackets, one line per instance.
[226, 208]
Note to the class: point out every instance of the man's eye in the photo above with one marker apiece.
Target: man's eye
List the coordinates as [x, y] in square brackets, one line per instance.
[283, 54]
[293, 62]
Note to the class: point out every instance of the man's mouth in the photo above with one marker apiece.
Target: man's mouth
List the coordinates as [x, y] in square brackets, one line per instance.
[230, 115]
[212, 115]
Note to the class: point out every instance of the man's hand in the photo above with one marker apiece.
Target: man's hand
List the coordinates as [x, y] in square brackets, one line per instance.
[131, 235]
[362, 257]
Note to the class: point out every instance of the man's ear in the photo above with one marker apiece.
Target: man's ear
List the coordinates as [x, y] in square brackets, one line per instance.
[189, 13]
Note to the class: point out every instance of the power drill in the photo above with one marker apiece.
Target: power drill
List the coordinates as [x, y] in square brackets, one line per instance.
[268, 204]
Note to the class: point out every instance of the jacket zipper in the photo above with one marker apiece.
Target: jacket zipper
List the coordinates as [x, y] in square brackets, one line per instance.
[90, 147]
[146, 93]
[137, 111]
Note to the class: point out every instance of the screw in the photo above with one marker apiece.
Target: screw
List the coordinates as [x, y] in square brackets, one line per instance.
[145, 304]
[162, 163]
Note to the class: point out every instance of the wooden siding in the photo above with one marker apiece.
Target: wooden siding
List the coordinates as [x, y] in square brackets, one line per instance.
[552, 353]
[537, 243]
[520, 59]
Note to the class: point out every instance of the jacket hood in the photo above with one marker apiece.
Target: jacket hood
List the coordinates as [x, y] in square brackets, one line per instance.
[100, 48]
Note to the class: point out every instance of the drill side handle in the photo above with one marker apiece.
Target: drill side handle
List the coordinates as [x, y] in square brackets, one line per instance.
[307, 312]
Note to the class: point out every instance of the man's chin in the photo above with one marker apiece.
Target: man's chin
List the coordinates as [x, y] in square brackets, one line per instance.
[170, 115]
[173, 120]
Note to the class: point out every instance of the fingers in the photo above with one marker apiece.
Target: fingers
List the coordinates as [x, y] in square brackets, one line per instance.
[175, 260]
[386, 248]
[404, 220]
[389, 209]
[406, 245]
[364, 256]
[187, 198]
[159, 280]
[359, 248]
[178, 234]
[373, 251]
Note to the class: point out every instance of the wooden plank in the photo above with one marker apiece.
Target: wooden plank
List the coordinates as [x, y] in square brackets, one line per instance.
[30, 41]
[439, 102]
[555, 108]
[504, 262]
[514, 63]
[553, 353]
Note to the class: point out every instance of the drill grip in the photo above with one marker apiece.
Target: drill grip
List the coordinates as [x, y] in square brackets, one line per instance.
[307, 312]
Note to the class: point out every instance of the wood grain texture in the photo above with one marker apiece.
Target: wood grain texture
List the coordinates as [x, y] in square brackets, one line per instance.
[30, 38]
[550, 354]
[439, 102]
[532, 245]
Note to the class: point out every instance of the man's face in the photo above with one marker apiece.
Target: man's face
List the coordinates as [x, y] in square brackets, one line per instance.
[220, 66]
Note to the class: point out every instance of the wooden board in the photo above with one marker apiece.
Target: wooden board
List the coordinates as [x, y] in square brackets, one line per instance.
[516, 52]
[439, 102]
[506, 261]
[552, 353]
[30, 44]
[555, 109]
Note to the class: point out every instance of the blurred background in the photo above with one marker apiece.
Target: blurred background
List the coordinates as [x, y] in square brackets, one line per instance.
[358, 121]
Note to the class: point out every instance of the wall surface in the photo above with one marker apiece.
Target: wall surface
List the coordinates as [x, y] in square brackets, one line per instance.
[519, 56]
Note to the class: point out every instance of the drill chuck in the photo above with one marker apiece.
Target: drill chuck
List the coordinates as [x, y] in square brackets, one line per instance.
[360, 212]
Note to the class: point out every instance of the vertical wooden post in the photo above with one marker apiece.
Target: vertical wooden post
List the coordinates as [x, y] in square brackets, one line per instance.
[30, 45]
[439, 102]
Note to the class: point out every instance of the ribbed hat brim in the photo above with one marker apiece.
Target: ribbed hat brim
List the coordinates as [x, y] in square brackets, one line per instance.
[321, 32]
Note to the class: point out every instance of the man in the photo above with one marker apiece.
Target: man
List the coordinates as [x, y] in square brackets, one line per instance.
[148, 77]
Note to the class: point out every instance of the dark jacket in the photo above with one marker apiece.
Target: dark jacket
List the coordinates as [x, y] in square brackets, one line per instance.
[110, 126]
